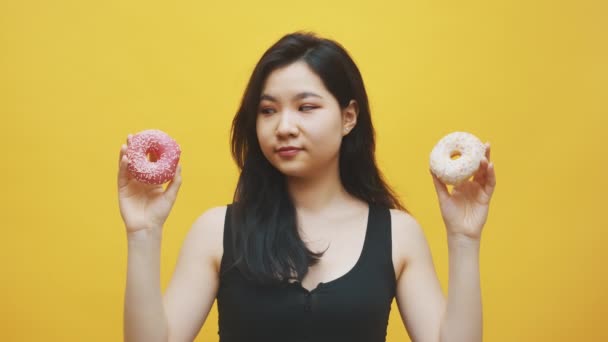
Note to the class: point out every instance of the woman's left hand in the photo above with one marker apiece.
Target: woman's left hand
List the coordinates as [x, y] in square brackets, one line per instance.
[465, 210]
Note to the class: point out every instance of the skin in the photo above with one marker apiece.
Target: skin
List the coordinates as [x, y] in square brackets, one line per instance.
[328, 216]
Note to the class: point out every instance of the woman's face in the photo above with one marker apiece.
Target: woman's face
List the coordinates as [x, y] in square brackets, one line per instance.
[296, 110]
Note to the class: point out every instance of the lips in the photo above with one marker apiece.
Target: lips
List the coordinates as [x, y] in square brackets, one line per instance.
[288, 151]
[288, 148]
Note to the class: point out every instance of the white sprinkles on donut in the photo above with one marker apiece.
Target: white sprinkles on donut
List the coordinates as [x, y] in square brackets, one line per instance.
[153, 156]
[470, 151]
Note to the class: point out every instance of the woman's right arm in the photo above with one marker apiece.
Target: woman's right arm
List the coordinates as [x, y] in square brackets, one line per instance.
[179, 315]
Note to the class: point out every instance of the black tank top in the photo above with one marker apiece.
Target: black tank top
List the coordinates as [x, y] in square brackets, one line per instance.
[353, 307]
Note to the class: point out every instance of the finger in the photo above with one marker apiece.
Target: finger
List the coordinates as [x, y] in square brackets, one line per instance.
[174, 185]
[129, 137]
[123, 150]
[488, 151]
[440, 188]
[123, 174]
[482, 171]
[490, 184]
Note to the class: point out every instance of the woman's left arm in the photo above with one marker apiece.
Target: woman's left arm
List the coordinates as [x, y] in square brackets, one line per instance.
[464, 212]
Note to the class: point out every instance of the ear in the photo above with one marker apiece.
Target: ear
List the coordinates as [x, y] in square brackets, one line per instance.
[349, 117]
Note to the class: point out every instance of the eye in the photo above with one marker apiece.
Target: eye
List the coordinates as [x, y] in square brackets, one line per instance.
[265, 110]
[307, 108]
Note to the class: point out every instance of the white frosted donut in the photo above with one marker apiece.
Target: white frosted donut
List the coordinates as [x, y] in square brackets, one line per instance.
[153, 156]
[470, 151]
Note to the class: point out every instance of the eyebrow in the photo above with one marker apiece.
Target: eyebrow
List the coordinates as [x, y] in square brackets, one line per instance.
[296, 97]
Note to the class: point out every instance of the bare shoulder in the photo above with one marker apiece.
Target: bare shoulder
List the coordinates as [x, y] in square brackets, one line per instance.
[211, 218]
[408, 239]
[207, 234]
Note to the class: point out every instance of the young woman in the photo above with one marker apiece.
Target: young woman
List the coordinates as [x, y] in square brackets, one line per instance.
[315, 245]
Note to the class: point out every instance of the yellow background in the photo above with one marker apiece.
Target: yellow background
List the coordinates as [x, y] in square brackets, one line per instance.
[76, 77]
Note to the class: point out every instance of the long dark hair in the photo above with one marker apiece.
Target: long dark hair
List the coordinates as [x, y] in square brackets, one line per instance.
[266, 244]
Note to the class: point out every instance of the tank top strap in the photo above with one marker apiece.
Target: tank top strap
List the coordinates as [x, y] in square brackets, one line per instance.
[227, 256]
[379, 245]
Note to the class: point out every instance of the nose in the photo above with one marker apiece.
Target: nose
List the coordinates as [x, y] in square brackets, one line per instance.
[287, 124]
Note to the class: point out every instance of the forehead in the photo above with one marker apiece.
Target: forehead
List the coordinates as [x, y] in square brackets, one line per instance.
[291, 80]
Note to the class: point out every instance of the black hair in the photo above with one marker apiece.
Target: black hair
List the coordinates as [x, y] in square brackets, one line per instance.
[265, 240]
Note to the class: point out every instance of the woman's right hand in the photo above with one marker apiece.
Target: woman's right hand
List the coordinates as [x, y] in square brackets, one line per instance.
[144, 206]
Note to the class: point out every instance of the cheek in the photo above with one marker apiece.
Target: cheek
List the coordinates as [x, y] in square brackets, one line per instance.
[262, 133]
[266, 140]
[326, 136]
[328, 128]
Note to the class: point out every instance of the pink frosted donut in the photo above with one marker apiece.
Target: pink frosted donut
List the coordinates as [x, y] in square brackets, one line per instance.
[469, 151]
[153, 156]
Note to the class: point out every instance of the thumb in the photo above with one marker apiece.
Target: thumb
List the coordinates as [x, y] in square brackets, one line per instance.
[123, 174]
[440, 188]
[174, 185]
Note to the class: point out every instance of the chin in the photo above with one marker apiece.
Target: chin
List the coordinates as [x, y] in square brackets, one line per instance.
[293, 171]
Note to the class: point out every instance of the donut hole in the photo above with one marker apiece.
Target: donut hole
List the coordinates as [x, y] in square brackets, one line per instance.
[455, 155]
[152, 156]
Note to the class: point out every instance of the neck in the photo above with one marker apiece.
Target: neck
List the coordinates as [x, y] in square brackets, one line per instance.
[319, 193]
